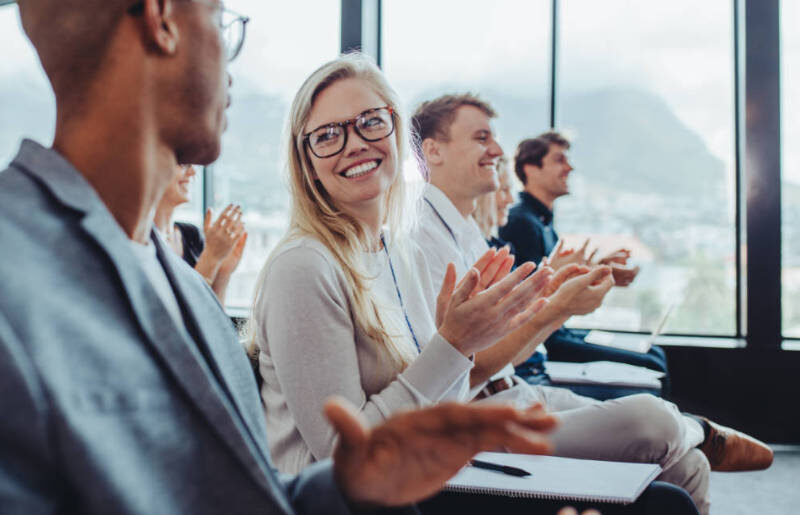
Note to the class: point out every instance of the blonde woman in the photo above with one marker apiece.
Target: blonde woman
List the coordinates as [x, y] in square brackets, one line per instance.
[343, 304]
[491, 209]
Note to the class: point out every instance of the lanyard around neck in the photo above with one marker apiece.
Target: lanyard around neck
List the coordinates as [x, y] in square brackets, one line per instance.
[452, 234]
[400, 296]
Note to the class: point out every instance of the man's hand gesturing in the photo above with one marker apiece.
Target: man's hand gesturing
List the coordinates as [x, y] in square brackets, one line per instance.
[410, 456]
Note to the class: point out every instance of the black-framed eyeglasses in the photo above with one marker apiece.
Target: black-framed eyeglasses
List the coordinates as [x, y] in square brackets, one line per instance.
[232, 25]
[330, 139]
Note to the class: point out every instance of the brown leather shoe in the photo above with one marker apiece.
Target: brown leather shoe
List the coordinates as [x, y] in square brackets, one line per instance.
[729, 450]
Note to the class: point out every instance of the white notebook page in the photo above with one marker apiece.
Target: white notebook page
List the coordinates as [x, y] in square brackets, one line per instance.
[557, 478]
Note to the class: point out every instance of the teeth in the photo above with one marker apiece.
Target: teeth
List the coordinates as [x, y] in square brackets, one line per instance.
[361, 169]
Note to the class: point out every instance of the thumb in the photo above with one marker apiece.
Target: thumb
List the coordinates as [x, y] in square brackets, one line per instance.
[598, 274]
[241, 242]
[347, 422]
[466, 286]
[446, 293]
[556, 251]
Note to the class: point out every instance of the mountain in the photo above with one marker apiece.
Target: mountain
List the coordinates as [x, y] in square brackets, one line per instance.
[633, 138]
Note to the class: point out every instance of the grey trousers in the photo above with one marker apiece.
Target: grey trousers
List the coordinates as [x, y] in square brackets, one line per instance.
[638, 428]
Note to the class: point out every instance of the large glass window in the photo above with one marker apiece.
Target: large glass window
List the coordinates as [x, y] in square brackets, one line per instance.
[499, 50]
[27, 103]
[646, 94]
[276, 58]
[790, 166]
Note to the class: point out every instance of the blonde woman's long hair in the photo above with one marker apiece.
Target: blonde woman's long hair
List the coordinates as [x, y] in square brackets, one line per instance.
[313, 212]
[485, 213]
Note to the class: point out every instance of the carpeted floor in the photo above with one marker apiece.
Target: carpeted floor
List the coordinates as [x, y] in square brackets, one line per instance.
[775, 491]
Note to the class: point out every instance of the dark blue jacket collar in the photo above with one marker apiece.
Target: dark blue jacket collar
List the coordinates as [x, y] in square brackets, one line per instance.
[536, 205]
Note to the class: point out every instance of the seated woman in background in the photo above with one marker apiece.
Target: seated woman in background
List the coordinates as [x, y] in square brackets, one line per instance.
[216, 256]
[343, 305]
[491, 210]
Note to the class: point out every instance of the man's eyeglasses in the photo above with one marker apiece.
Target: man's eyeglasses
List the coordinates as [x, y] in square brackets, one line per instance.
[330, 139]
[232, 25]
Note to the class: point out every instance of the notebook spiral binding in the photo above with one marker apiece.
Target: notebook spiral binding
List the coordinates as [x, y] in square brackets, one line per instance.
[516, 494]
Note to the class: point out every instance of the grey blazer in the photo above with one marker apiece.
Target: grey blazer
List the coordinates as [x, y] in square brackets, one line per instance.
[107, 405]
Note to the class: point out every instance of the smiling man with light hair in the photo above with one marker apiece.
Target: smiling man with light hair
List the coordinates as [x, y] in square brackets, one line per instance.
[459, 153]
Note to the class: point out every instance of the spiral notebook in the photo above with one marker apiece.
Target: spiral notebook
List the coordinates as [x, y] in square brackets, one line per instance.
[556, 478]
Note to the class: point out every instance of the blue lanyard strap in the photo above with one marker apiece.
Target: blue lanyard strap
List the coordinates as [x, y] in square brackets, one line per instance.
[452, 234]
[400, 296]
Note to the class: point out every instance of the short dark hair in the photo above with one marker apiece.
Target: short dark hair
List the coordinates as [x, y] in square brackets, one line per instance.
[531, 151]
[433, 118]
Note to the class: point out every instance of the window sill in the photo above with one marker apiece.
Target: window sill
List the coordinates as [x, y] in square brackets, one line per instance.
[790, 345]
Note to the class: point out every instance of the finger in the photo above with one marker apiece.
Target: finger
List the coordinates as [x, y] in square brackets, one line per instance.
[445, 293]
[455, 415]
[242, 242]
[521, 439]
[591, 256]
[502, 270]
[527, 314]
[465, 287]
[483, 261]
[542, 277]
[559, 246]
[347, 422]
[227, 214]
[224, 217]
[517, 300]
[488, 273]
[534, 407]
[207, 220]
[563, 275]
[585, 245]
[236, 233]
[569, 510]
[238, 230]
[598, 274]
[606, 284]
[504, 287]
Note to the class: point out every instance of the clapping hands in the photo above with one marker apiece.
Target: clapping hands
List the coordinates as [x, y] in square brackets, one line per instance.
[225, 241]
[223, 234]
[623, 273]
[488, 302]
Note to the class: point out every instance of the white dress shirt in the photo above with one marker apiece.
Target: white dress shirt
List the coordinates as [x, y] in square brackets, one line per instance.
[445, 236]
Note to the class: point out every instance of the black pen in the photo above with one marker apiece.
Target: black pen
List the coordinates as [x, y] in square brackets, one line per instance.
[505, 469]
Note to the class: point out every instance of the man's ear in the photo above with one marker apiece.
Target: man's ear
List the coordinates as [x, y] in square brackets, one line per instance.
[160, 29]
[432, 151]
[531, 172]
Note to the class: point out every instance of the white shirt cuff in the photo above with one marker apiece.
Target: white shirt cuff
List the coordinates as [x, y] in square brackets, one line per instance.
[434, 372]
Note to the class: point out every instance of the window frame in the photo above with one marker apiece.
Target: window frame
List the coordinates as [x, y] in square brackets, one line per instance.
[757, 155]
[757, 164]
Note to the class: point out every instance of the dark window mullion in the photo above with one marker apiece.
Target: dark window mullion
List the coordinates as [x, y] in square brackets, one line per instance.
[738, 127]
[762, 172]
[553, 61]
[351, 26]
